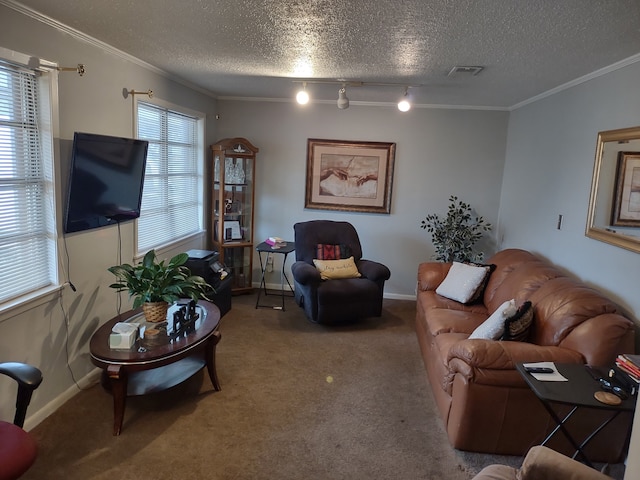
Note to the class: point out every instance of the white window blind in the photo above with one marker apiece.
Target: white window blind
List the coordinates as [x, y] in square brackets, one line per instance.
[27, 245]
[171, 199]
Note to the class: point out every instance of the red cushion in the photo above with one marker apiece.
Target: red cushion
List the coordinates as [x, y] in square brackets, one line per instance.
[17, 451]
[332, 252]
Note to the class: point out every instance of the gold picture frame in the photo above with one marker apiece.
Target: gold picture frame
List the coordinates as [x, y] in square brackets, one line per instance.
[626, 198]
[349, 176]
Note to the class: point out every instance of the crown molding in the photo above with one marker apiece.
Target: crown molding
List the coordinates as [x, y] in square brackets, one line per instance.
[83, 37]
[590, 76]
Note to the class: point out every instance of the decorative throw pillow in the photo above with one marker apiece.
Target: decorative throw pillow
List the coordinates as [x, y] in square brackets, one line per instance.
[462, 282]
[332, 269]
[493, 327]
[480, 290]
[518, 327]
[332, 252]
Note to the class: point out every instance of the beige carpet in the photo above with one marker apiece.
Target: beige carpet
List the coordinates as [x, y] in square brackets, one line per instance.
[298, 401]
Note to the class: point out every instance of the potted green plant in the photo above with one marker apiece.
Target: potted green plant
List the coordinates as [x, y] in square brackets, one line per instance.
[455, 235]
[155, 284]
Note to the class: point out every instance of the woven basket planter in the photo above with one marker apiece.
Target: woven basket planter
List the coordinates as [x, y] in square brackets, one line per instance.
[155, 311]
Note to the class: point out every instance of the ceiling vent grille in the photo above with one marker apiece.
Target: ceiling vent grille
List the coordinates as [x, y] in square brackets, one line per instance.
[465, 70]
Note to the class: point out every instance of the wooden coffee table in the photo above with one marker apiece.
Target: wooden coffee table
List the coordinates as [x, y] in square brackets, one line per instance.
[140, 371]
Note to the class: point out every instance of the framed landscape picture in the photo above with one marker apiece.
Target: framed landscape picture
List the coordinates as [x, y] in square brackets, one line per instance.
[349, 176]
[626, 198]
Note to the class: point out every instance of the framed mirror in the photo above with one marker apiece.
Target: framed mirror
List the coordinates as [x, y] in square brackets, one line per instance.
[614, 203]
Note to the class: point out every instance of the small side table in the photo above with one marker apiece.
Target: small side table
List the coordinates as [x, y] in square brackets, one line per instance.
[264, 247]
[578, 393]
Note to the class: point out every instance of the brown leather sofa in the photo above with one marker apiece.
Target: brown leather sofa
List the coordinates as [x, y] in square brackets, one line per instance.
[484, 402]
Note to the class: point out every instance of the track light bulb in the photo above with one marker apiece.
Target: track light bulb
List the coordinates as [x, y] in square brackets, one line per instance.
[343, 101]
[302, 97]
[404, 105]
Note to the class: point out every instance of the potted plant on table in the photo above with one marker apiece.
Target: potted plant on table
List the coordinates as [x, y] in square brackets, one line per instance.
[455, 235]
[155, 284]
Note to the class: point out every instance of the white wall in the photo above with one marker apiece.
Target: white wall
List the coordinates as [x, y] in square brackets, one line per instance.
[549, 164]
[439, 153]
[92, 103]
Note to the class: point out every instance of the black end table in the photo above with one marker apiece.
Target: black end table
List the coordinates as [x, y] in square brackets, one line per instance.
[285, 250]
[578, 392]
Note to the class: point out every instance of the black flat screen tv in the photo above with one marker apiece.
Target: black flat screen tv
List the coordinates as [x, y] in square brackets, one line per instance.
[105, 181]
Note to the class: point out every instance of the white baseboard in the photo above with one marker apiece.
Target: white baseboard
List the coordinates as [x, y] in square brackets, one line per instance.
[88, 380]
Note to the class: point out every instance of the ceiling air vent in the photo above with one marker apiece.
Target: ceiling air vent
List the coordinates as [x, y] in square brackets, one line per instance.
[465, 70]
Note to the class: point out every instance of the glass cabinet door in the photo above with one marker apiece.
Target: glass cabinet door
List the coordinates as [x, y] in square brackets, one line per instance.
[233, 202]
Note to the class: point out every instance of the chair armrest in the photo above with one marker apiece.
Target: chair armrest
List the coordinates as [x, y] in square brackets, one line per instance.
[503, 355]
[26, 375]
[373, 270]
[29, 378]
[304, 273]
[542, 463]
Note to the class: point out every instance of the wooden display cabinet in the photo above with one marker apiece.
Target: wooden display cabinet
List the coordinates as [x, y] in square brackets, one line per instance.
[233, 189]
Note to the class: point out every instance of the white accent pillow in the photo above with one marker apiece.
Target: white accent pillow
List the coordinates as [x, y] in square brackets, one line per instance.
[493, 327]
[462, 281]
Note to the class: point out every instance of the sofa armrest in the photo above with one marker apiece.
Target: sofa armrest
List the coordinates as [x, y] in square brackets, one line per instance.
[502, 355]
[374, 271]
[542, 463]
[304, 273]
[431, 274]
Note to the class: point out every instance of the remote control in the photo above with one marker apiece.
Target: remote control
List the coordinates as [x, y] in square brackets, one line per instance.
[539, 369]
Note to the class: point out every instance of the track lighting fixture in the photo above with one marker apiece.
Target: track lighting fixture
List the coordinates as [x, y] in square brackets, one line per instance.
[302, 97]
[343, 101]
[404, 105]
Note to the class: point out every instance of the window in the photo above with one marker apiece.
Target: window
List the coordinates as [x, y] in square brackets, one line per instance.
[27, 213]
[172, 200]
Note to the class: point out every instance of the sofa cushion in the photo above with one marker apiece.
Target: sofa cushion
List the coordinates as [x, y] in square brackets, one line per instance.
[493, 327]
[463, 281]
[333, 269]
[561, 304]
[518, 327]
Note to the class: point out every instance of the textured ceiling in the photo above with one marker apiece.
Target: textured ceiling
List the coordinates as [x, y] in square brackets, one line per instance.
[255, 48]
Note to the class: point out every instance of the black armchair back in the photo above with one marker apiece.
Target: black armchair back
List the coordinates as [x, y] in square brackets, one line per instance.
[337, 300]
[309, 234]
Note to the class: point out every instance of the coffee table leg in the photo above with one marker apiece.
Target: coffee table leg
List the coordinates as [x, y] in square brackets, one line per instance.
[210, 358]
[118, 378]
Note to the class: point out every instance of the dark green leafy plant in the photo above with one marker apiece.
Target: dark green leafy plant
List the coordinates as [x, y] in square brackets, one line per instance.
[153, 281]
[455, 235]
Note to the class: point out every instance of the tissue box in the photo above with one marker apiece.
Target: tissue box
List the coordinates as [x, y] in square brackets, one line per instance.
[123, 336]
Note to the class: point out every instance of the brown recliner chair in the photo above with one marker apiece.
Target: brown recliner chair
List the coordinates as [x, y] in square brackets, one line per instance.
[18, 449]
[338, 300]
[542, 463]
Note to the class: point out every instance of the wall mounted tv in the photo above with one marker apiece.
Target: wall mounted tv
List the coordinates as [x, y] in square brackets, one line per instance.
[105, 181]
